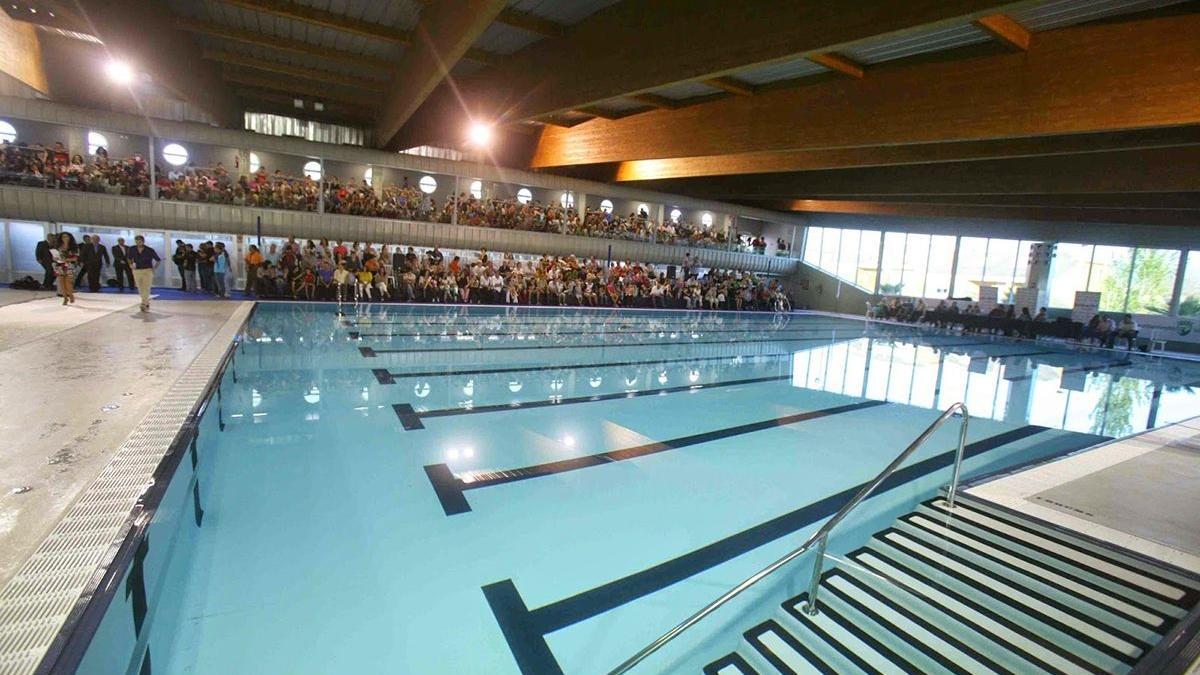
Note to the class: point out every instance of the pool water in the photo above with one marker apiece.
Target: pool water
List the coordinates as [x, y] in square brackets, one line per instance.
[482, 490]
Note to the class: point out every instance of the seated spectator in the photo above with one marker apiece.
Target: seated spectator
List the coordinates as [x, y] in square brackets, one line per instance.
[1127, 329]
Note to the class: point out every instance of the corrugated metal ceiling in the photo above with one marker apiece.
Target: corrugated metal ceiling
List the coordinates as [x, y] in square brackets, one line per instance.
[567, 12]
[684, 90]
[1060, 13]
[781, 70]
[502, 39]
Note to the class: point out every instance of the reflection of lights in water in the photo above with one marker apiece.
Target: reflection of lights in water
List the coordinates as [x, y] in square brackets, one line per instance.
[469, 388]
[595, 381]
[695, 336]
[693, 376]
[279, 339]
[421, 389]
[568, 440]
[255, 398]
[313, 395]
[515, 385]
[556, 384]
[662, 377]
[630, 381]
[465, 453]
[366, 394]
[673, 335]
[312, 416]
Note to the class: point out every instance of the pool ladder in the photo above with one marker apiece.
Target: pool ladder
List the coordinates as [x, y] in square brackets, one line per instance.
[819, 539]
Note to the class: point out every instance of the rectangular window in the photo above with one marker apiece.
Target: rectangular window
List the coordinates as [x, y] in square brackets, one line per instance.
[969, 275]
[1110, 276]
[1153, 283]
[1069, 273]
[830, 239]
[891, 270]
[916, 261]
[848, 255]
[1002, 257]
[1189, 300]
[812, 246]
[1021, 270]
[941, 258]
[868, 259]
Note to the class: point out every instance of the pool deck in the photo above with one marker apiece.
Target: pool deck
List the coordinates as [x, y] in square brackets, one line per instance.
[1138, 493]
[83, 382]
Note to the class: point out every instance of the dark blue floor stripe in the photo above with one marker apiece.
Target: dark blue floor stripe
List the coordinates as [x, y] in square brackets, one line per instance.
[529, 627]
[387, 377]
[445, 489]
[404, 410]
[408, 417]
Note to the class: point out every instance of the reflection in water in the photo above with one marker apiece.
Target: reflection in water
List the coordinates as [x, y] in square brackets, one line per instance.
[1099, 392]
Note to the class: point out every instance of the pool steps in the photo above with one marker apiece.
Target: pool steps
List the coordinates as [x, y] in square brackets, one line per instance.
[977, 590]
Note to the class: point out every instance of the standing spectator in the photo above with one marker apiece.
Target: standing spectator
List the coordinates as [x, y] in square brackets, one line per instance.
[253, 260]
[65, 257]
[204, 265]
[120, 260]
[189, 268]
[143, 259]
[96, 262]
[44, 252]
[85, 253]
[220, 269]
[179, 259]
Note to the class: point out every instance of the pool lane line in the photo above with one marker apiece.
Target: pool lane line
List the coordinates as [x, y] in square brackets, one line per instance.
[411, 419]
[371, 352]
[525, 629]
[385, 376]
[1005, 356]
[356, 335]
[450, 489]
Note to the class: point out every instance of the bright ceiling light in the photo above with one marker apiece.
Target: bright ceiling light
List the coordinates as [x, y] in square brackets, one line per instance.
[479, 134]
[119, 72]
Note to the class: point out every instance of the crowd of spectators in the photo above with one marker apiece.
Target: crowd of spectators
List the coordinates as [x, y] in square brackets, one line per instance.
[1003, 319]
[362, 273]
[52, 167]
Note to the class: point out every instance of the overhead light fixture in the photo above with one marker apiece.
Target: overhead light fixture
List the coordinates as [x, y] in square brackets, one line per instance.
[119, 72]
[479, 134]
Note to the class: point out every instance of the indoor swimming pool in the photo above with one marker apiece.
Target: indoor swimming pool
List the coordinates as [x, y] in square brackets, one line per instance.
[486, 490]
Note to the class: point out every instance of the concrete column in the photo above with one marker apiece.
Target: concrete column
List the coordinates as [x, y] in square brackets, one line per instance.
[1177, 292]
[151, 161]
[454, 199]
[321, 187]
[662, 210]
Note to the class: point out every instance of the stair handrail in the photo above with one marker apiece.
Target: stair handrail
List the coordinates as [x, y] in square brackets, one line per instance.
[820, 538]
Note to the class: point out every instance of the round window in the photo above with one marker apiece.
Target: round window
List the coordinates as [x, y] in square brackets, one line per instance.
[312, 169]
[96, 140]
[428, 184]
[524, 195]
[606, 206]
[175, 154]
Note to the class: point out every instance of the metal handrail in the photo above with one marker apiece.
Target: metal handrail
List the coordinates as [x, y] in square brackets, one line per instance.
[820, 538]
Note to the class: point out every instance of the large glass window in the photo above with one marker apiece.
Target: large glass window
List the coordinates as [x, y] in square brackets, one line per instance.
[941, 258]
[868, 259]
[830, 241]
[847, 266]
[916, 261]
[812, 245]
[1189, 300]
[891, 268]
[1111, 266]
[1069, 273]
[1153, 281]
[1002, 259]
[969, 276]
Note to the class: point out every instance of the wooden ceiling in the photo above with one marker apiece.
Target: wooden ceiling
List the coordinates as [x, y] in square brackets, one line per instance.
[1078, 110]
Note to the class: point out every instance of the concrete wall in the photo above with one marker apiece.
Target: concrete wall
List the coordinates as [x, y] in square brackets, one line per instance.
[812, 288]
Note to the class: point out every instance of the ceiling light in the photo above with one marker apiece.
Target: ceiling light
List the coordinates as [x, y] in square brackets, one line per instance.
[119, 72]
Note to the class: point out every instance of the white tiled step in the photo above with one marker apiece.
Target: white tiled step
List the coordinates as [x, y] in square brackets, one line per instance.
[837, 635]
[905, 624]
[1035, 579]
[1162, 582]
[1135, 595]
[1098, 644]
[1033, 642]
[793, 652]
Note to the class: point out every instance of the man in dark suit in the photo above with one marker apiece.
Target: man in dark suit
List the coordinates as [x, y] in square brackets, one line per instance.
[95, 262]
[46, 259]
[120, 259]
[86, 253]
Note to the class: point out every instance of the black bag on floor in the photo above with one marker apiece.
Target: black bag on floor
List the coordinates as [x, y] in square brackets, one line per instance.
[26, 283]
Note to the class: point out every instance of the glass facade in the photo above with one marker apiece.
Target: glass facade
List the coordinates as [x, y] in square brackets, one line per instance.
[1134, 280]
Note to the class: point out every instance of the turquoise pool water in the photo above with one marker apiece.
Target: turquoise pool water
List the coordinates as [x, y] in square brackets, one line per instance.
[454, 490]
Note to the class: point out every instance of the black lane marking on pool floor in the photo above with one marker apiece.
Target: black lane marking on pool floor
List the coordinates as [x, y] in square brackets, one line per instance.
[525, 629]
[385, 376]
[449, 488]
[1080, 369]
[356, 335]
[411, 419]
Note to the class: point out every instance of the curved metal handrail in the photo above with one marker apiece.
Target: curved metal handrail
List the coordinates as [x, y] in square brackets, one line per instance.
[819, 538]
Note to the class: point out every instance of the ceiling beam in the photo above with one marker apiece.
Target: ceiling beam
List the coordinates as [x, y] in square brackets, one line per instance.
[593, 111]
[326, 19]
[317, 91]
[1146, 201]
[1073, 81]
[838, 63]
[531, 23]
[281, 44]
[698, 40]
[1007, 32]
[444, 35]
[918, 210]
[889, 155]
[294, 71]
[656, 101]
[731, 85]
[1121, 171]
